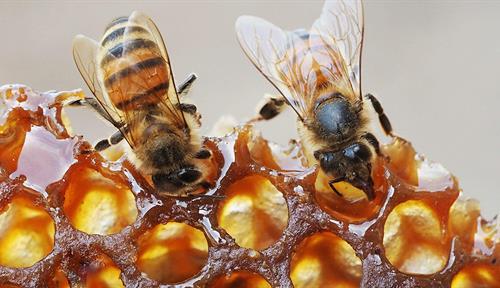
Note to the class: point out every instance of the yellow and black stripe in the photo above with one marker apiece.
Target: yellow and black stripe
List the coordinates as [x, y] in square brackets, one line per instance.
[135, 74]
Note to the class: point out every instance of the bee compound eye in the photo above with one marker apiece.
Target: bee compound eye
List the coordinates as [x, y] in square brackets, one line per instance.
[165, 182]
[203, 154]
[189, 175]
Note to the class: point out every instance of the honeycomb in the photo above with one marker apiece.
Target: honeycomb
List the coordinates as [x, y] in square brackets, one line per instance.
[71, 217]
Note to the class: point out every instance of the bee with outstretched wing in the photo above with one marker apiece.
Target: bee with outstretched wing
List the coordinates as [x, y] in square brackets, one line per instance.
[317, 73]
[130, 75]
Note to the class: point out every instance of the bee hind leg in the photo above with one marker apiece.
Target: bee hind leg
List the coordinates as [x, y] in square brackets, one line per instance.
[384, 120]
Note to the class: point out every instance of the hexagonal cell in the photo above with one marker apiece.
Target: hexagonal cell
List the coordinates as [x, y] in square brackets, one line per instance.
[171, 253]
[463, 221]
[353, 206]
[26, 233]
[403, 162]
[254, 212]
[103, 273]
[240, 279]
[96, 204]
[413, 239]
[325, 260]
[477, 275]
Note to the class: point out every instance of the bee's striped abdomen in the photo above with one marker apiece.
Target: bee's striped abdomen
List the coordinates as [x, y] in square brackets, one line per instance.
[134, 72]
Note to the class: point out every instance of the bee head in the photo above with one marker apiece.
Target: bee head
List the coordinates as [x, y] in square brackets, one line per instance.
[353, 163]
[172, 183]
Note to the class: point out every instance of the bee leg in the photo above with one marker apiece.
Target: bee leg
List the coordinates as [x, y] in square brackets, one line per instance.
[203, 154]
[185, 86]
[269, 108]
[366, 186]
[337, 180]
[114, 139]
[188, 108]
[372, 140]
[384, 121]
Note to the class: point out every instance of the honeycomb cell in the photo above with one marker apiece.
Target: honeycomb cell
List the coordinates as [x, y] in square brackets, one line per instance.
[413, 239]
[477, 275]
[254, 212]
[172, 252]
[103, 273]
[403, 162]
[325, 260]
[240, 279]
[464, 215]
[96, 204]
[352, 206]
[26, 233]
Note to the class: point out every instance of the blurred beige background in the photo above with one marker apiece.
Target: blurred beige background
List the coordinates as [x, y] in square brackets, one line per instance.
[433, 65]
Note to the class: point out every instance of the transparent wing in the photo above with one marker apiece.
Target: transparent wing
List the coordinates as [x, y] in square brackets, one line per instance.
[275, 53]
[340, 28]
[302, 64]
[170, 100]
[84, 54]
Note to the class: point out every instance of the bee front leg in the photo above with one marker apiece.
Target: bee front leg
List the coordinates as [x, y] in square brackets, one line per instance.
[366, 186]
[269, 107]
[336, 180]
[114, 139]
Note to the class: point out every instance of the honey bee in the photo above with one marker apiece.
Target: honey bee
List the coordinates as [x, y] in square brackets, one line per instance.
[130, 76]
[317, 73]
